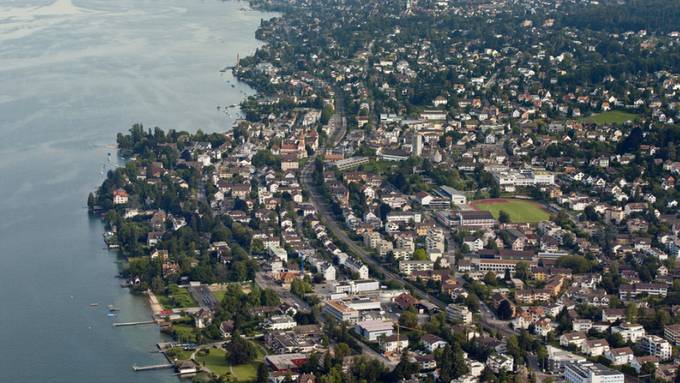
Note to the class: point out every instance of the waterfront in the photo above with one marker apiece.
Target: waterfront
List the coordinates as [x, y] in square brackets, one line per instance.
[73, 75]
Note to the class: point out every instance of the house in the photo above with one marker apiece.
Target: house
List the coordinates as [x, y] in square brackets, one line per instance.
[619, 356]
[473, 244]
[432, 342]
[120, 197]
[203, 318]
[226, 328]
[280, 323]
[186, 367]
[500, 362]
[393, 343]
[612, 315]
[405, 301]
[581, 325]
[595, 347]
[572, 338]
[639, 361]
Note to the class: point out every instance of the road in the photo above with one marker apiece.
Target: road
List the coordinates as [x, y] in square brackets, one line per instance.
[286, 296]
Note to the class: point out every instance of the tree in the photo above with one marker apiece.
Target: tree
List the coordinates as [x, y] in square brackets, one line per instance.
[408, 319]
[452, 362]
[404, 369]
[631, 312]
[262, 374]
[240, 350]
[420, 255]
[90, 201]
[504, 217]
[505, 310]
[522, 270]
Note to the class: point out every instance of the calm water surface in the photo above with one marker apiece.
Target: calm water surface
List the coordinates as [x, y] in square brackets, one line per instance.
[72, 75]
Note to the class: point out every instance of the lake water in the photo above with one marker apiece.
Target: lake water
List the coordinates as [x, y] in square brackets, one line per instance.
[72, 75]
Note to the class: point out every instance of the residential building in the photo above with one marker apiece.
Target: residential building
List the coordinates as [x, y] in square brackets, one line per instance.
[280, 323]
[500, 362]
[459, 313]
[619, 356]
[657, 346]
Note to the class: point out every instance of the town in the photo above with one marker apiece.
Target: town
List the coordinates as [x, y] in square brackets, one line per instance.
[449, 191]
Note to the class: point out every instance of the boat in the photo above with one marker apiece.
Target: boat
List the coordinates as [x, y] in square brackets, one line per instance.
[94, 304]
[111, 315]
[112, 308]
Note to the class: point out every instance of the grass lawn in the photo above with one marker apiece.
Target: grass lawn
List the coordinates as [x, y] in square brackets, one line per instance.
[219, 294]
[176, 297]
[181, 354]
[216, 362]
[520, 211]
[611, 117]
[185, 332]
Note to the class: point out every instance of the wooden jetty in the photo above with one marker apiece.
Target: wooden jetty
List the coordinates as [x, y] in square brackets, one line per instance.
[122, 324]
[153, 367]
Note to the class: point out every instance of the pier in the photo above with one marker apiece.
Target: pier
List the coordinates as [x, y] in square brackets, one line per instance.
[153, 367]
[122, 324]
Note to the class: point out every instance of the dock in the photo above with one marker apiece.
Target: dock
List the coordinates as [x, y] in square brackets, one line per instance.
[122, 324]
[153, 367]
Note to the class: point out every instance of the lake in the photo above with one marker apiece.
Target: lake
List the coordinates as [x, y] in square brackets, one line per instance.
[72, 75]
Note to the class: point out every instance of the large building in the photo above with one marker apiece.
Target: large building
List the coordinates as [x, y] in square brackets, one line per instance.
[672, 333]
[509, 179]
[591, 373]
[408, 267]
[558, 358]
[475, 219]
[372, 330]
[657, 346]
[340, 311]
[456, 197]
[349, 163]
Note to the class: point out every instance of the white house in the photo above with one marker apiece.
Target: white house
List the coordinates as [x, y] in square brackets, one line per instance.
[280, 323]
[500, 362]
[619, 356]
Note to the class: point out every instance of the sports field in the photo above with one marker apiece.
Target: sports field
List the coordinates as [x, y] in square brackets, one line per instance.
[611, 117]
[520, 211]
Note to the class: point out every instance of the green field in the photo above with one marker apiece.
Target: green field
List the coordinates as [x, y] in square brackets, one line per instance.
[217, 363]
[520, 211]
[176, 297]
[611, 117]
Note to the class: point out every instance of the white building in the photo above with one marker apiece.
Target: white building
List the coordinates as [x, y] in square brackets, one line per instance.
[280, 323]
[459, 313]
[408, 267]
[630, 332]
[372, 330]
[591, 373]
[500, 362]
[657, 346]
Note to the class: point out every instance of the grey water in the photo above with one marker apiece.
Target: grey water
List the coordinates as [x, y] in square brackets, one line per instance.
[74, 73]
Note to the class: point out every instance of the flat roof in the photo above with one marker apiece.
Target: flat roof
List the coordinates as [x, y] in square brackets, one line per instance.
[376, 325]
